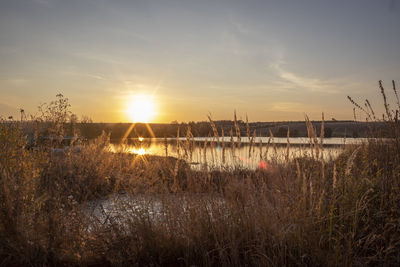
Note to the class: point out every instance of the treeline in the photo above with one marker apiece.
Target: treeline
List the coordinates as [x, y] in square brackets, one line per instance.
[202, 129]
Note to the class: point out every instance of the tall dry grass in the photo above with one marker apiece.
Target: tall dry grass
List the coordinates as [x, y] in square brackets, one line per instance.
[303, 211]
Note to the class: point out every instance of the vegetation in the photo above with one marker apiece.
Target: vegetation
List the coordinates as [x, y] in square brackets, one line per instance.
[333, 128]
[305, 211]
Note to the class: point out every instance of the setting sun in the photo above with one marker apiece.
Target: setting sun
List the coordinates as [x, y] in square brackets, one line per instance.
[141, 108]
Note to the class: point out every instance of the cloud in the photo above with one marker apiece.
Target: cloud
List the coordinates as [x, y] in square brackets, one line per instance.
[286, 106]
[291, 79]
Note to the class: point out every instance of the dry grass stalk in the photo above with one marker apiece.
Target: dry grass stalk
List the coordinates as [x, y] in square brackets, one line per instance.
[251, 145]
[254, 136]
[354, 114]
[214, 128]
[321, 136]
[178, 143]
[233, 144]
[334, 179]
[320, 203]
[311, 195]
[212, 150]
[369, 107]
[309, 135]
[312, 137]
[287, 145]
[270, 139]
[385, 102]
[298, 171]
[304, 190]
[247, 128]
[237, 129]
[189, 144]
[166, 146]
[205, 154]
[350, 161]
[223, 145]
[356, 105]
[395, 93]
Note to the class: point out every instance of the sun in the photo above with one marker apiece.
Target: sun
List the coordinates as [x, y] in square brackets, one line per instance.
[141, 108]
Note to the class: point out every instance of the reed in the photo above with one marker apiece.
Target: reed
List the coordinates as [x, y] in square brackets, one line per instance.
[307, 210]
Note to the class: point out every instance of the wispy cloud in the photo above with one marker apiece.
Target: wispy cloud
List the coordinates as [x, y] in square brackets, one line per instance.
[286, 106]
[291, 79]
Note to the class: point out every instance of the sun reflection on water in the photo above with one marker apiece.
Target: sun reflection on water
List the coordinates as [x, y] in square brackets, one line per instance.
[140, 151]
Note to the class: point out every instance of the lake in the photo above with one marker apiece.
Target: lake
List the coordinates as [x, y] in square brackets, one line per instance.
[213, 153]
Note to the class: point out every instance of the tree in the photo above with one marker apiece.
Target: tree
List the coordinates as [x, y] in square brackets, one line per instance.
[55, 117]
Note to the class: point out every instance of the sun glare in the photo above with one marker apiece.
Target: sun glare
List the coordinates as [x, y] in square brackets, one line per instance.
[141, 151]
[141, 108]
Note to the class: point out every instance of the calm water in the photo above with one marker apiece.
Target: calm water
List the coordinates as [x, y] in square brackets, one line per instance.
[203, 152]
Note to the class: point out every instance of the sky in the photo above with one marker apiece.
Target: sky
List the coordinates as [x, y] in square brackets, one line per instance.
[269, 60]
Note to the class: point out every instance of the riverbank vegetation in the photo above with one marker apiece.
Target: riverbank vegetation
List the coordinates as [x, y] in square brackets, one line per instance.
[305, 211]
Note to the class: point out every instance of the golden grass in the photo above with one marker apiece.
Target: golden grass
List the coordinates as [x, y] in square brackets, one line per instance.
[303, 211]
